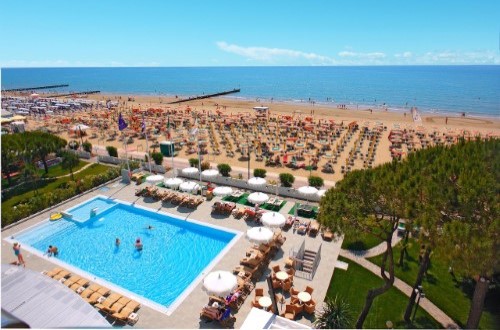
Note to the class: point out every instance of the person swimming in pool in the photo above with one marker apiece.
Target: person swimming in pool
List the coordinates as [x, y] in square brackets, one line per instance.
[52, 251]
[150, 227]
[117, 242]
[138, 244]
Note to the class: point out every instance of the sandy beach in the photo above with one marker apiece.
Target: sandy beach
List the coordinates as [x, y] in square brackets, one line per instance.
[350, 149]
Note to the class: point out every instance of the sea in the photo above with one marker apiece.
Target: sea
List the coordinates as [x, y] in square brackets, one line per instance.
[450, 90]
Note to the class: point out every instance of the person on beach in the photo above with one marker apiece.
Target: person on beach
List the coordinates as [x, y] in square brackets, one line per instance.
[18, 254]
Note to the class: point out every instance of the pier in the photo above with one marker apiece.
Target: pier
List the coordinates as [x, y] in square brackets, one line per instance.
[199, 97]
[33, 88]
[73, 94]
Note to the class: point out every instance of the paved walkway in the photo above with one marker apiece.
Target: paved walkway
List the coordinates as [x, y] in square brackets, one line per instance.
[359, 257]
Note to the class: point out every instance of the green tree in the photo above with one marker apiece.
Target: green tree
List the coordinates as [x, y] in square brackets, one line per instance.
[157, 157]
[9, 154]
[287, 179]
[112, 151]
[335, 314]
[30, 175]
[316, 181]
[44, 144]
[224, 169]
[369, 201]
[259, 173]
[69, 161]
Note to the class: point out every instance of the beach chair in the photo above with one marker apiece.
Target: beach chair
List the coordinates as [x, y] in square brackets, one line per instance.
[127, 314]
[53, 272]
[314, 229]
[72, 280]
[303, 227]
[252, 262]
[327, 234]
[62, 275]
[116, 307]
[110, 300]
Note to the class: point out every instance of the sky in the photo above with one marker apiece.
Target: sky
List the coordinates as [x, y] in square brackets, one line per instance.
[90, 33]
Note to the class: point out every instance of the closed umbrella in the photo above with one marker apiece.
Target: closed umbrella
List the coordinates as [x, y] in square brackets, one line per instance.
[259, 234]
[257, 198]
[189, 186]
[256, 181]
[154, 179]
[222, 191]
[209, 174]
[220, 283]
[80, 127]
[173, 182]
[273, 219]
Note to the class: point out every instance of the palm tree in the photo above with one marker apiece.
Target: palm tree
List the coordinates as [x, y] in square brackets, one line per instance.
[336, 314]
[69, 161]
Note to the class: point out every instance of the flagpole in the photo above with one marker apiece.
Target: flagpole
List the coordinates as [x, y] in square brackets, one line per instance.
[199, 151]
[147, 145]
[172, 145]
[126, 154]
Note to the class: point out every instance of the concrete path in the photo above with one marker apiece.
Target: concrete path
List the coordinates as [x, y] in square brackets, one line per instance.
[426, 304]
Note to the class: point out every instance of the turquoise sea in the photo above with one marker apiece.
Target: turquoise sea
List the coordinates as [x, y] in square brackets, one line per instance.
[474, 90]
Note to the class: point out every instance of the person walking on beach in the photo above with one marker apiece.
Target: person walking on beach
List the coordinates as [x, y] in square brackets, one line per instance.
[19, 255]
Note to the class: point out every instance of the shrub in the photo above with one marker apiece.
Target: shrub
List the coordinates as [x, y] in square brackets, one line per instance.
[316, 181]
[335, 314]
[224, 169]
[205, 166]
[193, 162]
[112, 151]
[73, 145]
[259, 173]
[87, 146]
[287, 179]
[157, 157]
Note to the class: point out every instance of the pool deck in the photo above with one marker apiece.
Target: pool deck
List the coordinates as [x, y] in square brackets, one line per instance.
[186, 315]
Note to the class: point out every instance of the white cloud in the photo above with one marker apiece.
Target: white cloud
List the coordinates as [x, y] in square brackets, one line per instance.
[373, 55]
[265, 54]
[403, 55]
[455, 57]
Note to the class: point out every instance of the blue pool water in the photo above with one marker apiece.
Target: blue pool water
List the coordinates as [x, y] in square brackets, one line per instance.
[82, 212]
[175, 251]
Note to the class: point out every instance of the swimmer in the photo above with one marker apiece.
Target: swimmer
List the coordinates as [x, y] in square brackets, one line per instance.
[52, 251]
[18, 254]
[138, 244]
[150, 227]
[117, 242]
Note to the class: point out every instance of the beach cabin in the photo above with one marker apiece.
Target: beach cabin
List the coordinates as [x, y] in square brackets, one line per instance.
[261, 111]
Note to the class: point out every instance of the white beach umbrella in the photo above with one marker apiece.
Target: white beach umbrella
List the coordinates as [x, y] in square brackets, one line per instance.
[220, 283]
[256, 181]
[154, 179]
[273, 219]
[222, 191]
[307, 191]
[189, 186]
[259, 234]
[173, 182]
[190, 170]
[208, 174]
[321, 192]
[257, 198]
[80, 127]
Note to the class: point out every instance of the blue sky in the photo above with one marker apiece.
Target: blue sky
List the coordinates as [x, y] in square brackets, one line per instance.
[248, 33]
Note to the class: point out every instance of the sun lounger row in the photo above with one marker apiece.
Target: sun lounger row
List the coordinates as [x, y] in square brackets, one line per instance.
[120, 308]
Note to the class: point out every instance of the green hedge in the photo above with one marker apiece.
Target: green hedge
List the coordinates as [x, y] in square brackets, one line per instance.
[64, 191]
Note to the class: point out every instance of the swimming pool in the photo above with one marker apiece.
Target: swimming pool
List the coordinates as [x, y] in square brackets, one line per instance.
[175, 251]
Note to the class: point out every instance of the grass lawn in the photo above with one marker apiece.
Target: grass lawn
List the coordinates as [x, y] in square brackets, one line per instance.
[451, 296]
[360, 241]
[353, 286]
[52, 185]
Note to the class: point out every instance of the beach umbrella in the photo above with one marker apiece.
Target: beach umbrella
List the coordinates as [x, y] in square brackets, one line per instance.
[220, 283]
[273, 219]
[256, 181]
[209, 174]
[259, 234]
[189, 186]
[154, 179]
[222, 191]
[257, 198]
[190, 170]
[307, 191]
[173, 182]
[321, 192]
[80, 127]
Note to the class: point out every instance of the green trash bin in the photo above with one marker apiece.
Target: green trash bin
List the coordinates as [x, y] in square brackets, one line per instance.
[167, 148]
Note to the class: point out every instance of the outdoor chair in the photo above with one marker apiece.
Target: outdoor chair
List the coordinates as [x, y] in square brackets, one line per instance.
[63, 274]
[54, 272]
[114, 297]
[309, 290]
[310, 307]
[259, 293]
[327, 234]
[289, 312]
[314, 229]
